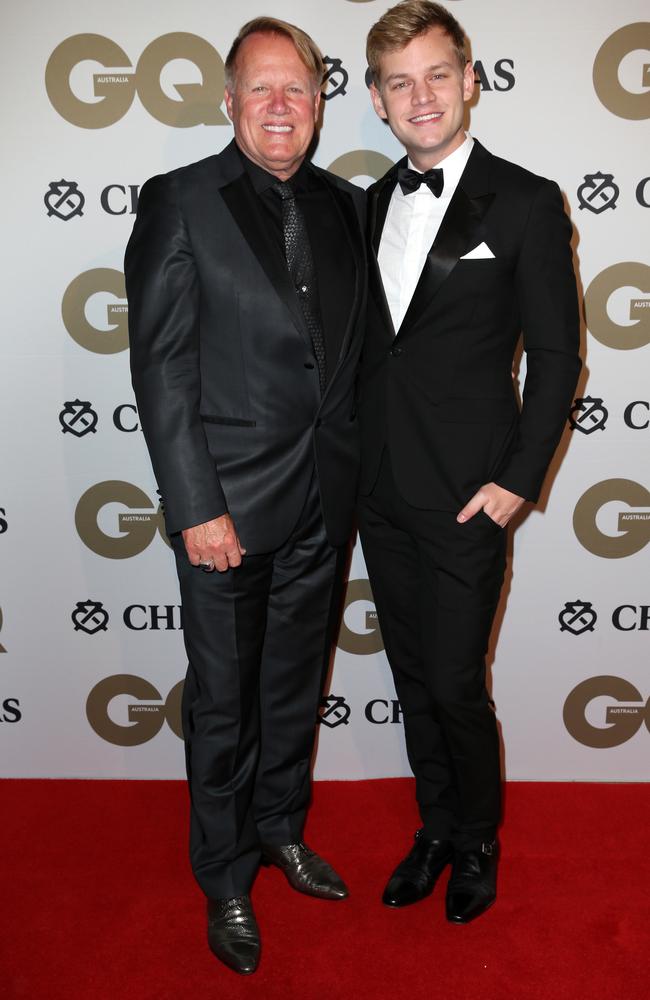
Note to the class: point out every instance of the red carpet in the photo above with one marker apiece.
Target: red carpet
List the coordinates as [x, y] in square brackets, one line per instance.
[98, 901]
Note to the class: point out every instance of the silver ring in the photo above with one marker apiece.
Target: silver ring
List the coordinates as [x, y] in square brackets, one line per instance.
[207, 567]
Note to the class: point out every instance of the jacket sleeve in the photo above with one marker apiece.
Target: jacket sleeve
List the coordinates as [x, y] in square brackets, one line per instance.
[163, 294]
[548, 306]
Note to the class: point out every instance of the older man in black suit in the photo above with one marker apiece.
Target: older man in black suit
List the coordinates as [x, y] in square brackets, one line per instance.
[246, 284]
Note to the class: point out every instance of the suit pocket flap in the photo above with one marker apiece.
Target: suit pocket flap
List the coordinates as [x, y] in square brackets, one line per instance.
[209, 418]
[499, 410]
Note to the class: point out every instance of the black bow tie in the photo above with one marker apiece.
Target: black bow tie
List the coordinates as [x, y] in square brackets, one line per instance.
[410, 180]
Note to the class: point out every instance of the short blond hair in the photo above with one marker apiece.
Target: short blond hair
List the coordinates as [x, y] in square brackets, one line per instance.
[404, 22]
[309, 53]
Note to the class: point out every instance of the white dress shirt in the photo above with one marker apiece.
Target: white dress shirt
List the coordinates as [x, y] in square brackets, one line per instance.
[411, 226]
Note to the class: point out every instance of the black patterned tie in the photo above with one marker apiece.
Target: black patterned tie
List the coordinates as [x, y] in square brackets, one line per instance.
[410, 180]
[300, 262]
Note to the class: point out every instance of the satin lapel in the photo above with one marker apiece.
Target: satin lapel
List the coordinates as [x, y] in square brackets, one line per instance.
[241, 200]
[352, 228]
[379, 202]
[458, 233]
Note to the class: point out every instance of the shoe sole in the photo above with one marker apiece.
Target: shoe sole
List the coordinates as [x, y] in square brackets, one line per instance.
[462, 920]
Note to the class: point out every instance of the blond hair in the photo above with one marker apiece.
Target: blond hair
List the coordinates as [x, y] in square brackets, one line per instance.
[309, 53]
[404, 22]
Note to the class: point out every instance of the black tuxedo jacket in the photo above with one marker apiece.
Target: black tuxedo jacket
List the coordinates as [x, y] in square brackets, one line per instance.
[222, 363]
[440, 392]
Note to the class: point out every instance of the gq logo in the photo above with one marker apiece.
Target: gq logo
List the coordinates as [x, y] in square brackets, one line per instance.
[631, 529]
[361, 163]
[113, 92]
[622, 721]
[625, 288]
[112, 338]
[137, 527]
[145, 712]
[366, 637]
[633, 103]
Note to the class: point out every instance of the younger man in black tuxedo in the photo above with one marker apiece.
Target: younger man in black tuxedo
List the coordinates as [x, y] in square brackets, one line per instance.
[467, 251]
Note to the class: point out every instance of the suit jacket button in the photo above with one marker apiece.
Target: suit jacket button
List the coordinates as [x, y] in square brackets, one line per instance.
[318, 422]
[309, 365]
[396, 351]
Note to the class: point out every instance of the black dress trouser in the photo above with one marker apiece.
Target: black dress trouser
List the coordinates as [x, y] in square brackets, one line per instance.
[258, 642]
[436, 585]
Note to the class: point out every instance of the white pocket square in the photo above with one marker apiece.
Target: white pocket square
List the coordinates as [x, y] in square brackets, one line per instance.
[481, 252]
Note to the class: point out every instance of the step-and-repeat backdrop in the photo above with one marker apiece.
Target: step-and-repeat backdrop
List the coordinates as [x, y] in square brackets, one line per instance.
[99, 96]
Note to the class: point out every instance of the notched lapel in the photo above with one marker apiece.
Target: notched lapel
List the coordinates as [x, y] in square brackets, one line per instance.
[459, 232]
[239, 197]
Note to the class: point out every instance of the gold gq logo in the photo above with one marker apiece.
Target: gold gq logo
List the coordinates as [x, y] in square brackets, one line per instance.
[199, 103]
[633, 525]
[631, 104]
[622, 280]
[145, 716]
[622, 721]
[361, 163]
[362, 642]
[137, 528]
[115, 337]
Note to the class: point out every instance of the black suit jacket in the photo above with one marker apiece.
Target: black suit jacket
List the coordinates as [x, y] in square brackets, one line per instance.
[222, 363]
[440, 392]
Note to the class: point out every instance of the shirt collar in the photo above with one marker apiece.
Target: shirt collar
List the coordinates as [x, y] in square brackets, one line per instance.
[453, 166]
[262, 180]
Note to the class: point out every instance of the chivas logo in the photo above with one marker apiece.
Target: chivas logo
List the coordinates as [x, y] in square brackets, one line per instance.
[78, 418]
[2, 649]
[577, 617]
[337, 76]
[90, 617]
[3, 520]
[598, 192]
[588, 415]
[64, 199]
[335, 711]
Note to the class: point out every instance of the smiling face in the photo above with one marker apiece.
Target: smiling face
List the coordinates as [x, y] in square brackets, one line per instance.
[422, 94]
[273, 103]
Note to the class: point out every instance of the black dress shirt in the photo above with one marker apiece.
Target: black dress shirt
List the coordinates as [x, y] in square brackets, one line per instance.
[330, 246]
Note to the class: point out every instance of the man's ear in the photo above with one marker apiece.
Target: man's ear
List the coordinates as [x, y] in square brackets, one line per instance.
[469, 81]
[317, 98]
[377, 102]
[228, 97]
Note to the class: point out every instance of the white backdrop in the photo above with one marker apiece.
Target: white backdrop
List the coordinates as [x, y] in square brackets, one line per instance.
[90, 638]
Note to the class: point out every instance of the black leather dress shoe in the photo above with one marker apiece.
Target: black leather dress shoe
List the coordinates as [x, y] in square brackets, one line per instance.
[305, 870]
[473, 884]
[415, 876]
[233, 934]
